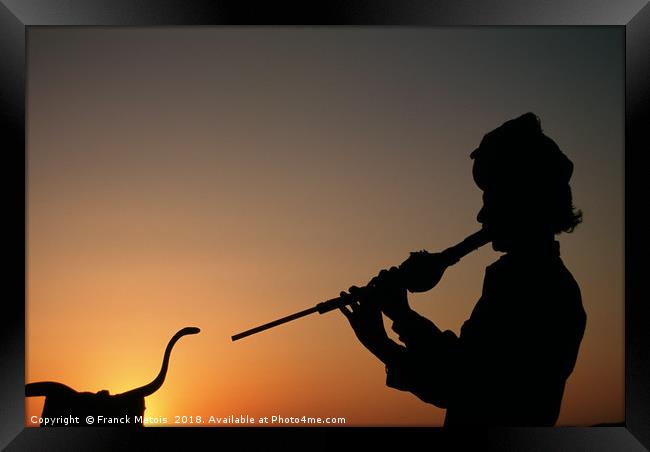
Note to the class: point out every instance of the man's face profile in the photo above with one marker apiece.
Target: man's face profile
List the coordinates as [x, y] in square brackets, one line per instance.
[503, 217]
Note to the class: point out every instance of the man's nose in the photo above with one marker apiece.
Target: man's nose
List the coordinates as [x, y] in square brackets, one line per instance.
[480, 217]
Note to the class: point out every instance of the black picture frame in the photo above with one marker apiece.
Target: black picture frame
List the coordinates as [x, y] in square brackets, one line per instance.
[17, 15]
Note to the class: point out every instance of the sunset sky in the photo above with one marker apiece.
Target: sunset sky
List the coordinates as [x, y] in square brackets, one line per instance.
[224, 177]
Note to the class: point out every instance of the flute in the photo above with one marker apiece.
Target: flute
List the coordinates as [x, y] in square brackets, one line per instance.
[419, 273]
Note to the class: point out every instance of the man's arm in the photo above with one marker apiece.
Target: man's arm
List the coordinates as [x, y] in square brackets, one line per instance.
[428, 362]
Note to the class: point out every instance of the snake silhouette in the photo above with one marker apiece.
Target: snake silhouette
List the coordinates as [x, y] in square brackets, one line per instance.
[61, 401]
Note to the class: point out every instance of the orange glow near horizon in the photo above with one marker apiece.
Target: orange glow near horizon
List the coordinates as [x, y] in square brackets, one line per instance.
[223, 178]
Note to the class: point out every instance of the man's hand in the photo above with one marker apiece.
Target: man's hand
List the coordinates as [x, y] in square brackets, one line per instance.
[388, 291]
[364, 315]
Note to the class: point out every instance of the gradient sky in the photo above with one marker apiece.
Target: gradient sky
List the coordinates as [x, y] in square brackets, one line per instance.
[224, 177]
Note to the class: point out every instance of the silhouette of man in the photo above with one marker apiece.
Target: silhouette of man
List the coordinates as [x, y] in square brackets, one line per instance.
[514, 354]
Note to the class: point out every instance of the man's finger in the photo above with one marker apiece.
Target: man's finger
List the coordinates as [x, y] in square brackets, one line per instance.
[353, 306]
[346, 312]
[354, 291]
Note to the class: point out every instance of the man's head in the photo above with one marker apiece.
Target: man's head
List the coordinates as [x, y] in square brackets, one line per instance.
[525, 181]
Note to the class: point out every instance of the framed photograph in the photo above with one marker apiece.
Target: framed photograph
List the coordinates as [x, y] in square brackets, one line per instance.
[184, 174]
